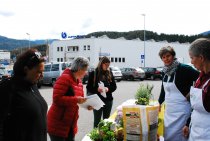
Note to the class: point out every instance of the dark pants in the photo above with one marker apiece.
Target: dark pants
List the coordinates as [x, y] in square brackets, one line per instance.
[57, 138]
[105, 110]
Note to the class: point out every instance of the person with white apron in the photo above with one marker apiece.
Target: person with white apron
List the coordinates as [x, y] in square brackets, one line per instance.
[200, 118]
[177, 111]
[199, 52]
[176, 83]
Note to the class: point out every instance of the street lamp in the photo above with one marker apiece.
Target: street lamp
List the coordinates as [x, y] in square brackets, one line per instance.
[28, 40]
[144, 37]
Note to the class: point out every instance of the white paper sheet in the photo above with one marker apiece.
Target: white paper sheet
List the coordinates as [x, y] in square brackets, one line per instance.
[101, 85]
[94, 101]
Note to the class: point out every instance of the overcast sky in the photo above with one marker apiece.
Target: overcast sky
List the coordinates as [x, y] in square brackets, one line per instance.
[46, 19]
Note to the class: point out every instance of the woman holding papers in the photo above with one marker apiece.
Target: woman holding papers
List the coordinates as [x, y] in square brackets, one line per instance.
[67, 94]
[102, 83]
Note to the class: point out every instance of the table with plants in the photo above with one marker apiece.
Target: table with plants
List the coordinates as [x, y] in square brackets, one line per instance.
[135, 119]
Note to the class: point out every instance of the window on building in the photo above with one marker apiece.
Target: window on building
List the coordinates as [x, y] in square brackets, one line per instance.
[57, 48]
[112, 59]
[123, 59]
[116, 59]
[61, 48]
[61, 59]
[73, 48]
[119, 59]
[77, 48]
[58, 59]
[88, 47]
[68, 48]
[84, 47]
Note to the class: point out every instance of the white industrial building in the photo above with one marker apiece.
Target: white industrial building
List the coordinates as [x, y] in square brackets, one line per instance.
[122, 52]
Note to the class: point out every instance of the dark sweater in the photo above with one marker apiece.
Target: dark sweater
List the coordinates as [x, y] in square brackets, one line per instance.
[92, 86]
[28, 114]
[185, 76]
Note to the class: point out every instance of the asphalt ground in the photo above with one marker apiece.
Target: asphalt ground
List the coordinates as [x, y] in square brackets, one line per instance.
[125, 90]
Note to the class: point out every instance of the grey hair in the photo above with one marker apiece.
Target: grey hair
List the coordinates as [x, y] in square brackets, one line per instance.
[201, 46]
[79, 63]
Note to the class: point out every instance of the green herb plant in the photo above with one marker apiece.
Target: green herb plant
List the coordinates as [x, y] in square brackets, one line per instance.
[143, 94]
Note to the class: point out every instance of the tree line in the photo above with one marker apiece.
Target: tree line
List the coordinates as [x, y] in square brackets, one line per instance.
[149, 35]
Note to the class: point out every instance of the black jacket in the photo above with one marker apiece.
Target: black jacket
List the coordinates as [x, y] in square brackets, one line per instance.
[27, 119]
[92, 86]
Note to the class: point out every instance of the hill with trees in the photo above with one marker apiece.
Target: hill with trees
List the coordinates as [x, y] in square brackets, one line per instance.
[149, 35]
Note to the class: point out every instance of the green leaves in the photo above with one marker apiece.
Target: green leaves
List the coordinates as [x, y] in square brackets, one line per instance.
[104, 132]
[143, 94]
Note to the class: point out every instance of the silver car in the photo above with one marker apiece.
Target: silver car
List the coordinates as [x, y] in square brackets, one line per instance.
[116, 73]
[133, 73]
[52, 71]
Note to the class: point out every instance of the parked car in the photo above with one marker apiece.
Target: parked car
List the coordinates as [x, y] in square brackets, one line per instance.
[4, 73]
[133, 73]
[152, 73]
[52, 71]
[116, 73]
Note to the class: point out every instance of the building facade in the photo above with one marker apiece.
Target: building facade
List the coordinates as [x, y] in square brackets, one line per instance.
[122, 53]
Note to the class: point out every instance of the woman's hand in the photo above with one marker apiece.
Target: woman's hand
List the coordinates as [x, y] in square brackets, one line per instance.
[100, 90]
[185, 131]
[90, 108]
[106, 89]
[81, 100]
[159, 108]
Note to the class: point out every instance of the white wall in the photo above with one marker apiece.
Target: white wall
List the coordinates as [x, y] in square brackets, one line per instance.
[131, 50]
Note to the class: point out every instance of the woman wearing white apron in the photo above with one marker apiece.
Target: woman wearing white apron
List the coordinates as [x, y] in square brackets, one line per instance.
[175, 86]
[200, 94]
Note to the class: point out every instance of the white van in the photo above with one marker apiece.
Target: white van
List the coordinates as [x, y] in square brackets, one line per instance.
[52, 71]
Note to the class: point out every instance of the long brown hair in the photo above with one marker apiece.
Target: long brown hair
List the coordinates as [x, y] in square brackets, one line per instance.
[101, 73]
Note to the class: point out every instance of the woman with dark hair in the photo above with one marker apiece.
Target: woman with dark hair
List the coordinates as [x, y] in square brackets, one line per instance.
[102, 73]
[26, 118]
[176, 83]
[199, 52]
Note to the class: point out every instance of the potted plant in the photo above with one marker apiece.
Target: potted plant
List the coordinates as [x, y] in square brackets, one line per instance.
[143, 94]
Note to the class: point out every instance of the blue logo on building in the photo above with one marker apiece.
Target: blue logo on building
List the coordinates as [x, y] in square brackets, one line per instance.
[64, 35]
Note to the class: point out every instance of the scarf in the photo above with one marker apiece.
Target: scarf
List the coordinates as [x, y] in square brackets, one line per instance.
[169, 70]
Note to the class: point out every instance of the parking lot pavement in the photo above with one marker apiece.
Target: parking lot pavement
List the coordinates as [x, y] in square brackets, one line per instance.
[125, 90]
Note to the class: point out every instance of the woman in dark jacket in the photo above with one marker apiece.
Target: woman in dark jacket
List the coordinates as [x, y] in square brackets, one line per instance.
[176, 83]
[26, 117]
[67, 94]
[102, 73]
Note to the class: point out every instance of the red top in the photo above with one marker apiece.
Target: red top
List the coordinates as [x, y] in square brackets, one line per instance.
[203, 78]
[63, 114]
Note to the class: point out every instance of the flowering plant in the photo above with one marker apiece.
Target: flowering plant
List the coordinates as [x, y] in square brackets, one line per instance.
[106, 131]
